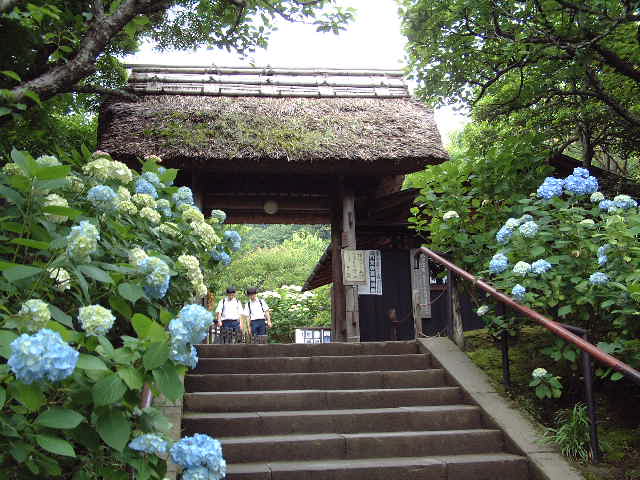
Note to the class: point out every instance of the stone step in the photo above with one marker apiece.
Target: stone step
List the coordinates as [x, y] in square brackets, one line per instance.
[497, 466]
[362, 420]
[339, 363]
[258, 401]
[307, 350]
[325, 380]
[270, 448]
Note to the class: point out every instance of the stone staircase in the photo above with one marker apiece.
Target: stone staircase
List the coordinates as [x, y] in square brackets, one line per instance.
[370, 411]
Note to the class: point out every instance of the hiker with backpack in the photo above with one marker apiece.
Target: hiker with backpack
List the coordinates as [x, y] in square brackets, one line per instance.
[258, 313]
[229, 310]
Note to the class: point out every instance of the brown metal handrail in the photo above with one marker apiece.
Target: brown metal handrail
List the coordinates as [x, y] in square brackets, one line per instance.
[549, 324]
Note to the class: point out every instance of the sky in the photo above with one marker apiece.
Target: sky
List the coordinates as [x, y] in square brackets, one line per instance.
[374, 40]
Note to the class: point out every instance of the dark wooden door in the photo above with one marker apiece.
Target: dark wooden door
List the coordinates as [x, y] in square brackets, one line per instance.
[396, 293]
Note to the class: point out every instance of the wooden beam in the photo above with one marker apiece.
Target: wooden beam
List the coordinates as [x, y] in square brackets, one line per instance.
[294, 218]
[352, 320]
[338, 328]
[256, 202]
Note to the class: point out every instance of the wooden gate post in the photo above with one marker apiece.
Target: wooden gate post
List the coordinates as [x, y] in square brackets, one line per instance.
[352, 314]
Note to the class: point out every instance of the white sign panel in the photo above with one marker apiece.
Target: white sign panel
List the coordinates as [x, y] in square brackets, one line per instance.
[373, 264]
[353, 267]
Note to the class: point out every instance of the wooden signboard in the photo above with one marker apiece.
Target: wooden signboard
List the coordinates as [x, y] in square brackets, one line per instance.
[353, 267]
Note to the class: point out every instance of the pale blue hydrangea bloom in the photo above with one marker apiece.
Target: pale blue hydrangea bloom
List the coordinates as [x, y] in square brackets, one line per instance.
[598, 278]
[184, 354]
[145, 187]
[498, 263]
[603, 249]
[102, 197]
[200, 473]
[152, 178]
[42, 356]
[82, 240]
[528, 229]
[581, 182]
[581, 172]
[504, 235]
[184, 196]
[35, 314]
[150, 443]
[95, 320]
[191, 325]
[199, 451]
[219, 215]
[220, 256]
[624, 201]
[602, 260]
[551, 187]
[518, 291]
[605, 204]
[164, 207]
[158, 277]
[521, 268]
[234, 238]
[525, 218]
[540, 266]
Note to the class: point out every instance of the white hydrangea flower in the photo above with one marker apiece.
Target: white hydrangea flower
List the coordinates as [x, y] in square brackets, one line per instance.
[170, 229]
[144, 200]
[55, 200]
[482, 310]
[512, 223]
[136, 256]
[191, 266]
[522, 268]
[450, 214]
[103, 169]
[596, 197]
[11, 169]
[150, 214]
[192, 214]
[74, 184]
[539, 373]
[95, 320]
[48, 161]
[200, 290]
[206, 234]
[126, 206]
[587, 222]
[61, 277]
[123, 193]
[35, 313]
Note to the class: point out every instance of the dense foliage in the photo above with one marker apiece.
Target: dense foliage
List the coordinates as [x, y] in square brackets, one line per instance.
[99, 267]
[565, 69]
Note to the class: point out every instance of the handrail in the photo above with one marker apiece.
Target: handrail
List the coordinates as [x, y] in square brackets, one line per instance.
[549, 324]
[146, 397]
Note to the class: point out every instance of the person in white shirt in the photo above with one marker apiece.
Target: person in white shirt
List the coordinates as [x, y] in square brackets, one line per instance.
[229, 310]
[257, 310]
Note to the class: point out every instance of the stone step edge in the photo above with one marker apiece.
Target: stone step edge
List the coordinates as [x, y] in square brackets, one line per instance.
[288, 374]
[357, 411]
[253, 359]
[321, 390]
[355, 464]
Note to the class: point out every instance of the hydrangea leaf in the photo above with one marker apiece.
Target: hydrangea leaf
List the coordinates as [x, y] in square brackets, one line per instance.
[96, 273]
[20, 272]
[114, 428]
[156, 355]
[60, 316]
[565, 310]
[52, 173]
[30, 396]
[168, 381]
[89, 362]
[6, 337]
[3, 396]
[12, 195]
[132, 377]
[62, 211]
[141, 324]
[61, 418]
[108, 390]
[24, 161]
[119, 305]
[55, 445]
[131, 291]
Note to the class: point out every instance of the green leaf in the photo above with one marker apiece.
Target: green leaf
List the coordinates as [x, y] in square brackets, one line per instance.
[60, 418]
[62, 211]
[114, 428]
[564, 310]
[11, 194]
[120, 306]
[156, 355]
[616, 376]
[3, 397]
[168, 381]
[131, 291]
[60, 316]
[55, 445]
[96, 273]
[6, 337]
[52, 173]
[20, 450]
[27, 242]
[4, 111]
[30, 396]
[33, 96]
[12, 75]
[132, 377]
[141, 324]
[20, 272]
[90, 362]
[108, 390]
[26, 163]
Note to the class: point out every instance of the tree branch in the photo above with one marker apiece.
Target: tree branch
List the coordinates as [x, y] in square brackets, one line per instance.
[98, 90]
[617, 63]
[611, 102]
[63, 77]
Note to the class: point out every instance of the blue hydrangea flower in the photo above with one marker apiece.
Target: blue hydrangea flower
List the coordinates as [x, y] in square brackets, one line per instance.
[82, 240]
[581, 172]
[199, 451]
[540, 266]
[551, 187]
[525, 218]
[144, 186]
[158, 277]
[504, 235]
[201, 473]
[191, 325]
[528, 229]
[164, 207]
[102, 197]
[184, 196]
[598, 278]
[624, 201]
[602, 260]
[605, 204]
[602, 250]
[152, 178]
[183, 354]
[42, 356]
[518, 292]
[498, 263]
[150, 443]
[581, 184]
[220, 256]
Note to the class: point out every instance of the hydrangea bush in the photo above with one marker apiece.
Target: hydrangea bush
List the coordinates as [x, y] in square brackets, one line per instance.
[101, 273]
[572, 254]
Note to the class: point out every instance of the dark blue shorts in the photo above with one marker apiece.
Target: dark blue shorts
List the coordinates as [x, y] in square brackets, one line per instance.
[231, 324]
[259, 327]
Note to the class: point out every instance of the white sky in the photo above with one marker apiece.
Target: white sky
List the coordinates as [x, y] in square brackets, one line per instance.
[372, 41]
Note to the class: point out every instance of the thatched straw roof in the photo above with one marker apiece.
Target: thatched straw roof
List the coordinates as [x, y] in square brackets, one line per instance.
[225, 119]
